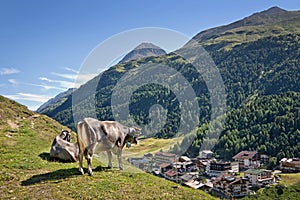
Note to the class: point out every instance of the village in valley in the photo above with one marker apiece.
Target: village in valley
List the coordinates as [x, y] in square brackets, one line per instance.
[242, 176]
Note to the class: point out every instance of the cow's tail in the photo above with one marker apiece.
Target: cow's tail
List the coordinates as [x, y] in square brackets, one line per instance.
[80, 137]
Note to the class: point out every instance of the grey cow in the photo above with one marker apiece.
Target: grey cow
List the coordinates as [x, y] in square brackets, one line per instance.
[62, 149]
[110, 136]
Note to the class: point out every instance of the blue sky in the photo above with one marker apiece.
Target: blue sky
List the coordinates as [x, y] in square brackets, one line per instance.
[43, 43]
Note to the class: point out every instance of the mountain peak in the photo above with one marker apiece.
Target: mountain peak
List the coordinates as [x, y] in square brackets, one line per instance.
[143, 50]
[146, 45]
[273, 10]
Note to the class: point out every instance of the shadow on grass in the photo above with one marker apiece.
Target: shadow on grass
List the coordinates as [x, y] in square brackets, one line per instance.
[57, 175]
[51, 176]
[46, 156]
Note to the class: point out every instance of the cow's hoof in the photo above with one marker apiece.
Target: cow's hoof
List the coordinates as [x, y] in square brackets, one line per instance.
[90, 172]
[81, 171]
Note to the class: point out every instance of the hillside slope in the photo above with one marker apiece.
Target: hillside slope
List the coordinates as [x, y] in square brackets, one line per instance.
[27, 173]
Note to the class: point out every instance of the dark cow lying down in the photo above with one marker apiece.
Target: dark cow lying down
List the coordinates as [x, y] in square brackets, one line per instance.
[109, 136]
[62, 149]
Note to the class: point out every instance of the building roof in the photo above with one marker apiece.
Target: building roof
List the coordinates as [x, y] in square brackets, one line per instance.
[255, 171]
[244, 155]
[165, 154]
[164, 165]
[206, 151]
[171, 173]
[194, 184]
[186, 177]
[184, 158]
[291, 160]
[229, 180]
[203, 162]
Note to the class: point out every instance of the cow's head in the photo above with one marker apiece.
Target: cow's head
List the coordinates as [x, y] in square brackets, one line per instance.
[65, 135]
[134, 132]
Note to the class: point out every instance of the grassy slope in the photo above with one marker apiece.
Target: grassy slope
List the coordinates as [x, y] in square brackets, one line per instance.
[288, 188]
[290, 179]
[27, 173]
[151, 145]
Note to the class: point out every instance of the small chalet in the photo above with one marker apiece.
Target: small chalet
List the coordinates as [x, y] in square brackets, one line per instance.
[259, 177]
[247, 159]
[290, 165]
[231, 187]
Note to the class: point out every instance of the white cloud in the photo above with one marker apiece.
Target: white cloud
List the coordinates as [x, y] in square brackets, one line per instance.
[7, 71]
[66, 76]
[72, 70]
[29, 97]
[14, 82]
[63, 84]
[47, 87]
[76, 80]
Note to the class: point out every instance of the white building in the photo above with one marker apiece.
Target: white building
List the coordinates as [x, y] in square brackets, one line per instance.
[205, 154]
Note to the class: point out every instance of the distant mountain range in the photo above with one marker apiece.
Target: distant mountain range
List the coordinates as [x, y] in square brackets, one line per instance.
[257, 57]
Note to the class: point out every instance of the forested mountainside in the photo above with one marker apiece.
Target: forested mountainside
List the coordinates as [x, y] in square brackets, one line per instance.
[267, 66]
[267, 124]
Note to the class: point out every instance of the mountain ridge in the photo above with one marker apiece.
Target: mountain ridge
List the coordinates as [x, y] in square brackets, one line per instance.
[270, 22]
[56, 101]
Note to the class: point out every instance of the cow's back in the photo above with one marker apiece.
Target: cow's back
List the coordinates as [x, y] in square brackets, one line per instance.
[86, 135]
[108, 133]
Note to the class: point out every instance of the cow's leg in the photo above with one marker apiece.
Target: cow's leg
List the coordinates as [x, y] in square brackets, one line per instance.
[88, 155]
[89, 162]
[119, 153]
[109, 155]
[80, 157]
